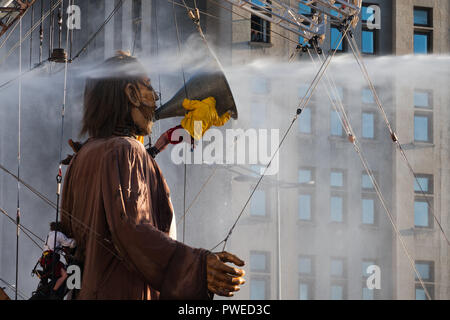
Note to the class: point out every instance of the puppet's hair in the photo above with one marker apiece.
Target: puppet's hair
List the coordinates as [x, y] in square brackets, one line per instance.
[105, 102]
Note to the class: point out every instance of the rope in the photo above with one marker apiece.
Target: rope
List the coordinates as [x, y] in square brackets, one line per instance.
[18, 157]
[186, 93]
[29, 32]
[393, 134]
[25, 230]
[63, 111]
[302, 105]
[68, 214]
[346, 124]
[118, 6]
[10, 286]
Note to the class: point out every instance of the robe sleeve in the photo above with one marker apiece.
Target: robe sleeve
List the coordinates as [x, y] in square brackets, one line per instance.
[175, 270]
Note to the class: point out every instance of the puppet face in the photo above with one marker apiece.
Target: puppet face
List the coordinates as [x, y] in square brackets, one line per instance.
[143, 101]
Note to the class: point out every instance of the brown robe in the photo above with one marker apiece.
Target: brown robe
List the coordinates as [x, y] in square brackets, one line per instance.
[116, 189]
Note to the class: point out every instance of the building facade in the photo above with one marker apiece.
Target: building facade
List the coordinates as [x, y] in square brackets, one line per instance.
[311, 231]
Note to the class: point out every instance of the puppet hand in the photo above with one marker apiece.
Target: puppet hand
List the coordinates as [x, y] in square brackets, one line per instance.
[166, 138]
[222, 279]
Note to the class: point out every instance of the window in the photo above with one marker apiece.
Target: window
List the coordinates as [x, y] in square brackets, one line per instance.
[258, 114]
[337, 208]
[338, 268]
[366, 182]
[423, 116]
[338, 271]
[423, 99]
[423, 32]
[304, 9]
[304, 121]
[367, 96]
[368, 211]
[306, 176]
[305, 289]
[420, 292]
[367, 294]
[368, 125]
[260, 279]
[335, 39]
[423, 17]
[306, 272]
[260, 28]
[258, 204]
[366, 13]
[426, 272]
[337, 178]
[422, 214]
[304, 206]
[422, 42]
[423, 183]
[337, 292]
[259, 261]
[423, 127]
[259, 288]
[305, 265]
[365, 265]
[369, 35]
[335, 125]
[368, 41]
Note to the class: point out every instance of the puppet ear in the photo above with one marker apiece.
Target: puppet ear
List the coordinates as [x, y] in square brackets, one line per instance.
[132, 95]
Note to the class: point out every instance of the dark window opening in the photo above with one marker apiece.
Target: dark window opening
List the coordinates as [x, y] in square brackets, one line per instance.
[260, 28]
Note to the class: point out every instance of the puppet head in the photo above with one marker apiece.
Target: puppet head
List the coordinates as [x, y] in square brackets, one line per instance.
[118, 97]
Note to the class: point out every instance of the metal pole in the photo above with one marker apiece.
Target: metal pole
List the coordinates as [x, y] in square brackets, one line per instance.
[278, 238]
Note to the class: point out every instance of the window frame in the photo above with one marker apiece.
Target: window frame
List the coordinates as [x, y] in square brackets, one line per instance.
[311, 206]
[429, 34]
[261, 277]
[430, 187]
[257, 216]
[344, 268]
[429, 202]
[310, 283]
[343, 43]
[429, 11]
[344, 206]
[430, 99]
[366, 196]
[374, 114]
[429, 116]
[313, 176]
[341, 283]
[344, 178]
[375, 41]
[261, 24]
[313, 265]
[267, 264]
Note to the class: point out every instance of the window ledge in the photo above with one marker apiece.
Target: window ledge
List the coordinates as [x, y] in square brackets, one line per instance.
[306, 223]
[373, 227]
[418, 27]
[418, 145]
[416, 231]
[258, 219]
[260, 44]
